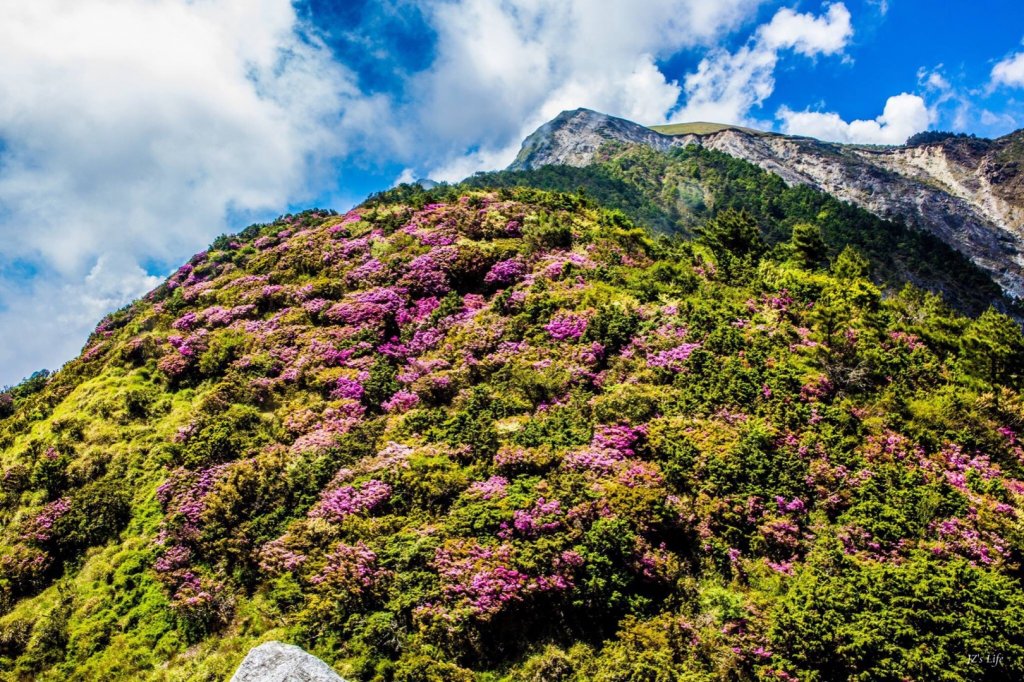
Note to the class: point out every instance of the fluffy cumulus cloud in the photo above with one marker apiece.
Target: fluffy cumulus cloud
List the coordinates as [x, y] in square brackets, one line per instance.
[807, 34]
[504, 68]
[903, 115]
[729, 87]
[129, 131]
[1010, 71]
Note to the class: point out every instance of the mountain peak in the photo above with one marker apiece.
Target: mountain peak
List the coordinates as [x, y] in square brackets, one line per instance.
[573, 137]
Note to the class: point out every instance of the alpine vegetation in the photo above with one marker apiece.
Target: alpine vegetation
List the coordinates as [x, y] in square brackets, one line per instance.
[497, 432]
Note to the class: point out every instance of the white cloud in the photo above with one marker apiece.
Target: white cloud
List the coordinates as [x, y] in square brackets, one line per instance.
[1004, 120]
[904, 115]
[957, 106]
[809, 35]
[131, 129]
[503, 68]
[726, 87]
[1010, 71]
[47, 322]
[934, 80]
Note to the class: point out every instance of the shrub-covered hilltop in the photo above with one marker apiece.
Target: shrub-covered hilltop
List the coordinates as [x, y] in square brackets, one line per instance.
[507, 435]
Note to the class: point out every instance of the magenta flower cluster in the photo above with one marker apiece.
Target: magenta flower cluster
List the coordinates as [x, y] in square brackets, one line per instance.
[485, 579]
[40, 528]
[674, 359]
[567, 326]
[401, 401]
[505, 272]
[277, 558]
[351, 566]
[341, 502]
[543, 517]
[492, 488]
[350, 389]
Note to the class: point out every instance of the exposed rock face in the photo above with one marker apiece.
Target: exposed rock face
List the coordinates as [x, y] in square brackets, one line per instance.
[969, 193]
[984, 173]
[277, 662]
[573, 137]
[872, 179]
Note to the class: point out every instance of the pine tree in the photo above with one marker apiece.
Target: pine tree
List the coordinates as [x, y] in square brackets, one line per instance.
[808, 244]
[994, 348]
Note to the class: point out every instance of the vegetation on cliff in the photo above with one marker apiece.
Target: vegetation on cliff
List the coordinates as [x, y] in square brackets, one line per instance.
[677, 191]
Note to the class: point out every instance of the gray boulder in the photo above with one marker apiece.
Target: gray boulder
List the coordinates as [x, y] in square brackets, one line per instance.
[278, 662]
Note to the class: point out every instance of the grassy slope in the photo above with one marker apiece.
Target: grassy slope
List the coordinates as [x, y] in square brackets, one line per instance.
[699, 128]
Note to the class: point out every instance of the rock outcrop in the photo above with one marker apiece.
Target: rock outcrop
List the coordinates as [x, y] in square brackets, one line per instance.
[969, 193]
[573, 137]
[278, 662]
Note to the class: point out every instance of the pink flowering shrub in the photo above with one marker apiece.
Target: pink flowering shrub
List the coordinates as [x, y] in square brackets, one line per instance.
[543, 517]
[505, 272]
[401, 401]
[350, 574]
[482, 581]
[277, 558]
[566, 327]
[40, 528]
[673, 359]
[341, 502]
[495, 487]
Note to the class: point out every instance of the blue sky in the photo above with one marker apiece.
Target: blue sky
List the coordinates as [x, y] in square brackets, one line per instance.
[132, 132]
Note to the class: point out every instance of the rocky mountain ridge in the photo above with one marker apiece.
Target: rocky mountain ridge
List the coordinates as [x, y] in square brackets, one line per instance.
[968, 192]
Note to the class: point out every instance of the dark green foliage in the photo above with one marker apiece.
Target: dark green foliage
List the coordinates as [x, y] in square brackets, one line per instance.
[547, 233]
[381, 383]
[736, 241]
[224, 346]
[851, 265]
[994, 348]
[733, 232]
[876, 621]
[613, 326]
[933, 136]
[808, 244]
[221, 436]
[99, 510]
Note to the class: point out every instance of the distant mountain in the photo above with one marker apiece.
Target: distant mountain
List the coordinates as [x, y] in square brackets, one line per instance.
[968, 192]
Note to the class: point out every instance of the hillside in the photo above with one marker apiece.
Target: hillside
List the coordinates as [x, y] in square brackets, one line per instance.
[507, 434]
[966, 192]
[677, 190]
